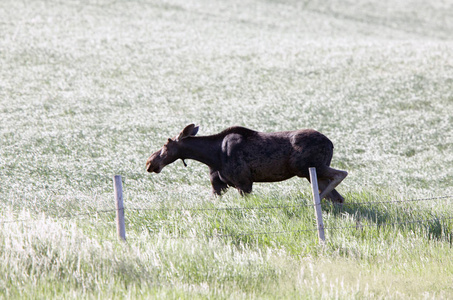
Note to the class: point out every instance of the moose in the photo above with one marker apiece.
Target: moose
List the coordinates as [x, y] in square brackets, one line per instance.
[237, 157]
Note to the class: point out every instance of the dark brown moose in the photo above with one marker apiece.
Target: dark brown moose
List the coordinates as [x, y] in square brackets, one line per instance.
[238, 157]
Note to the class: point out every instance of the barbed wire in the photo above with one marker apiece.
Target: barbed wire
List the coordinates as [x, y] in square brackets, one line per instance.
[356, 227]
[18, 221]
[283, 206]
[221, 208]
[398, 201]
[242, 234]
[71, 216]
[359, 225]
[65, 216]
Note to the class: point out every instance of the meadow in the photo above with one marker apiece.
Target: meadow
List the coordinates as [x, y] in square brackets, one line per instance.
[90, 88]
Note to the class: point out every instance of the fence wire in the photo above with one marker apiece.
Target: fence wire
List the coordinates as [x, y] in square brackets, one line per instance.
[357, 226]
[283, 206]
[222, 208]
[398, 201]
[63, 216]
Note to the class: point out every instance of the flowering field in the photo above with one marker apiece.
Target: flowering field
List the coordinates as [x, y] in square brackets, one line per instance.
[90, 88]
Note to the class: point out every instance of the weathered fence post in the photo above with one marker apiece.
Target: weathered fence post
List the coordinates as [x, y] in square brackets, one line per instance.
[118, 190]
[317, 201]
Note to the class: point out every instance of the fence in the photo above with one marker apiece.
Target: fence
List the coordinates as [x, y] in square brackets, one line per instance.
[121, 229]
[317, 205]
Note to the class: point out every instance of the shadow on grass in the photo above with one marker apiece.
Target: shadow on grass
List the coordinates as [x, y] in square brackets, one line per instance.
[400, 216]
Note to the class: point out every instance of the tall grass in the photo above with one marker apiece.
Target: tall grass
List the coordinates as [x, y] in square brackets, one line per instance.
[89, 89]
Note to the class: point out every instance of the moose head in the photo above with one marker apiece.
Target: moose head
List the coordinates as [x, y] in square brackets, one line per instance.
[170, 151]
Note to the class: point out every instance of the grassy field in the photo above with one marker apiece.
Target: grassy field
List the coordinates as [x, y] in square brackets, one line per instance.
[89, 89]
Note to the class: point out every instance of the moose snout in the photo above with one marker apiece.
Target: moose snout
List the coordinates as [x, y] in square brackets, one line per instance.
[151, 168]
[153, 165]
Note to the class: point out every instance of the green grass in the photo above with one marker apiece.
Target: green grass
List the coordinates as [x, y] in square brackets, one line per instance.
[89, 89]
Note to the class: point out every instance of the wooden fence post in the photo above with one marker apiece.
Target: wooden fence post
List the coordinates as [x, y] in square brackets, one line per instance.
[118, 190]
[317, 201]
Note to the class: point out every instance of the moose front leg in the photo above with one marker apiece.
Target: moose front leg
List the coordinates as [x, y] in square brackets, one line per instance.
[239, 176]
[218, 186]
[244, 188]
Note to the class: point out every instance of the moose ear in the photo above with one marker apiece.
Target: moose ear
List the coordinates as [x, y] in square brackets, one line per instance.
[190, 130]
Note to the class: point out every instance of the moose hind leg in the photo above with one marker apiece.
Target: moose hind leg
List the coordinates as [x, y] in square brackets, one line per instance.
[333, 177]
[333, 196]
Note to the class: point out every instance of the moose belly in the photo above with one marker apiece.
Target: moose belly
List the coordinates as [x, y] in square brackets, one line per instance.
[270, 174]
